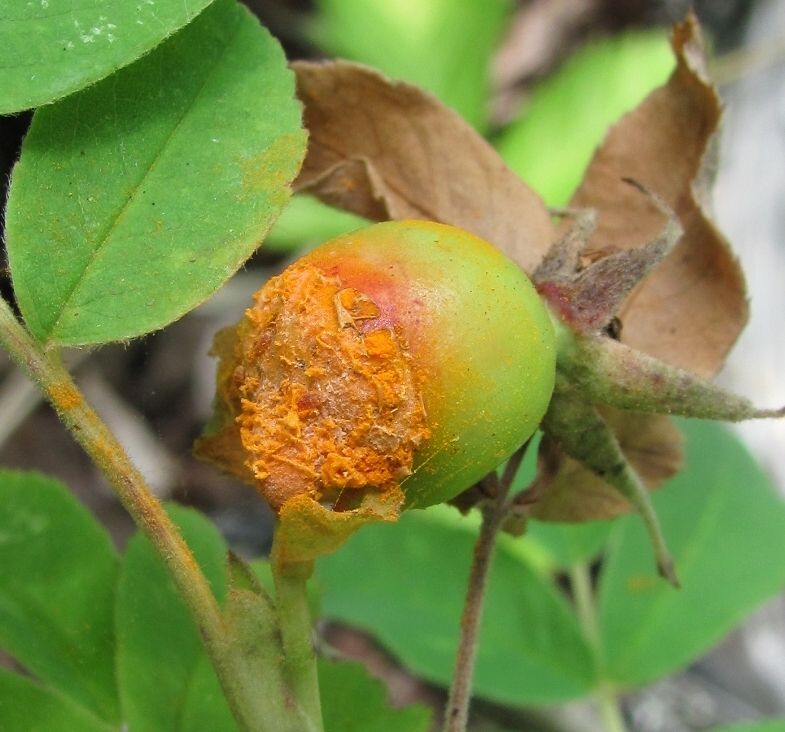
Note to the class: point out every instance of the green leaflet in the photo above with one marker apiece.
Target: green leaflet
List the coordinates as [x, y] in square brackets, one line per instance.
[135, 199]
[406, 583]
[353, 701]
[50, 48]
[724, 525]
[26, 705]
[57, 595]
[203, 708]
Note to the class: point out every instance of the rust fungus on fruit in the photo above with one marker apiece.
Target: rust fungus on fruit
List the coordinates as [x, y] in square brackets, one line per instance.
[323, 386]
[330, 398]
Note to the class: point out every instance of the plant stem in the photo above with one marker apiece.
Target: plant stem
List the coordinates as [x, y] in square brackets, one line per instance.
[457, 713]
[493, 515]
[255, 668]
[44, 368]
[608, 703]
[295, 624]
[606, 697]
[580, 581]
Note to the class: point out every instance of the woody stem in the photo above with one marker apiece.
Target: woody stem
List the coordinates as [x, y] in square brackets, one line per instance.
[494, 513]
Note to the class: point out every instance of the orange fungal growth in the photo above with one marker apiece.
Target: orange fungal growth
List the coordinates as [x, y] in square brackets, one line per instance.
[388, 369]
[330, 398]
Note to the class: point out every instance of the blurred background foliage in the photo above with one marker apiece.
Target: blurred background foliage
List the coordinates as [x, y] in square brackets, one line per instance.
[542, 80]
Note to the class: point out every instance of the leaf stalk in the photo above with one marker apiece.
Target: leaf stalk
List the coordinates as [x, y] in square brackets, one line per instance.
[605, 697]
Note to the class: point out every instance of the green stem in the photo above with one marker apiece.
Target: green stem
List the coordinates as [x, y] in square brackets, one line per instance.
[44, 368]
[608, 703]
[295, 624]
[256, 667]
[606, 697]
[580, 581]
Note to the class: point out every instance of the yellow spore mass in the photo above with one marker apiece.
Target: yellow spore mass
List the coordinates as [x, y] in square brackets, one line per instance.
[330, 398]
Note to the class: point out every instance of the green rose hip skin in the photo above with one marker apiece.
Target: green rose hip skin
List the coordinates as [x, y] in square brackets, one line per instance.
[407, 359]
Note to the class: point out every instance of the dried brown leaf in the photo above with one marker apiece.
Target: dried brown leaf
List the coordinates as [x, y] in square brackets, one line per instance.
[388, 150]
[566, 491]
[691, 309]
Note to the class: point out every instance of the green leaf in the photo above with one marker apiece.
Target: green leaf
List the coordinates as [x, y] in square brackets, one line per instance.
[570, 112]
[204, 707]
[26, 706]
[57, 591]
[50, 48]
[406, 583]
[135, 199]
[725, 527]
[353, 701]
[444, 46]
[307, 222]
[570, 544]
[773, 725]
[159, 649]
